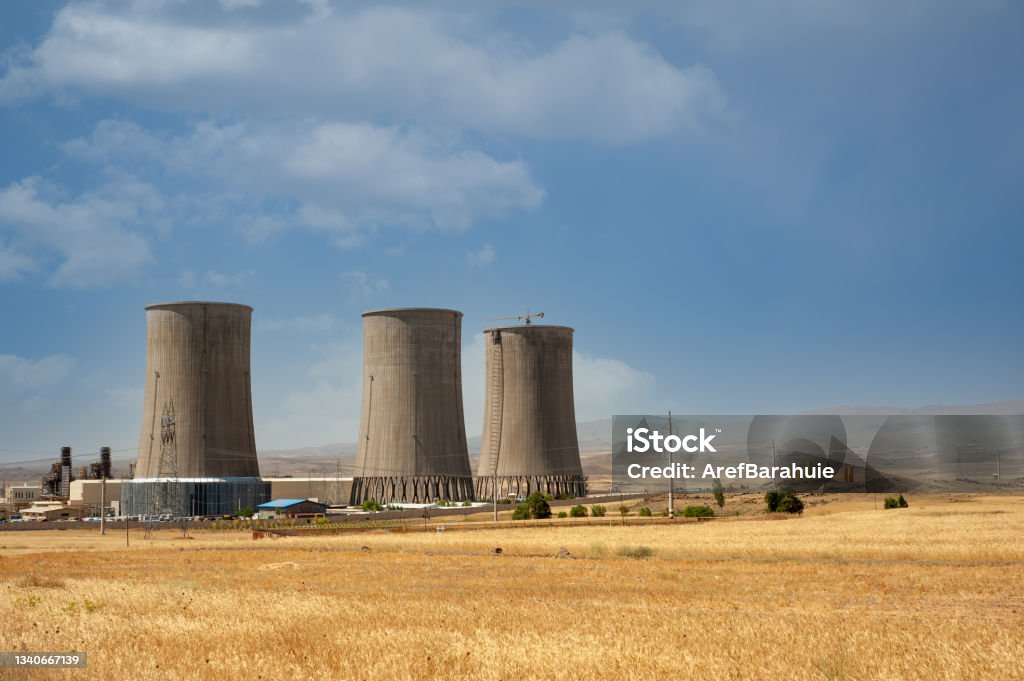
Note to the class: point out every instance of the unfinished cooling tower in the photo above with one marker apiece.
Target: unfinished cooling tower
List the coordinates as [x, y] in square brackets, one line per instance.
[412, 433]
[529, 439]
[197, 449]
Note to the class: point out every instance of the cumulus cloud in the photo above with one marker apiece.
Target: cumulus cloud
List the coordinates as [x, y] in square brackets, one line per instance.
[25, 382]
[96, 234]
[363, 286]
[604, 386]
[13, 264]
[446, 67]
[343, 177]
[481, 257]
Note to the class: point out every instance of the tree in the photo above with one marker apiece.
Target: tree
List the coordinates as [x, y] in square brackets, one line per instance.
[245, 512]
[772, 499]
[538, 505]
[719, 492]
[901, 502]
[790, 503]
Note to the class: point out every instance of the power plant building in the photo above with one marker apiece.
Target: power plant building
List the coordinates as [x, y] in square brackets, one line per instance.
[529, 441]
[197, 448]
[412, 433]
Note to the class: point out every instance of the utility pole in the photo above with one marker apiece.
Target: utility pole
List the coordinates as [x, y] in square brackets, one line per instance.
[337, 483]
[671, 479]
[775, 483]
[103, 506]
[997, 464]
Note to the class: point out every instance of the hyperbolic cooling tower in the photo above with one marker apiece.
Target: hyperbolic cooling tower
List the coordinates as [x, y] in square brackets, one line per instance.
[529, 439]
[412, 432]
[197, 415]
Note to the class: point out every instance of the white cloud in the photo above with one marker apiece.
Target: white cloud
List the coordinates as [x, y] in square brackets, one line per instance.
[24, 379]
[95, 233]
[301, 324]
[126, 398]
[343, 177]
[604, 386]
[451, 68]
[362, 286]
[481, 258]
[13, 264]
[325, 408]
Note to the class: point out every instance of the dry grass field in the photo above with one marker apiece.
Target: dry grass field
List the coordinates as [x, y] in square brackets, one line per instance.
[845, 592]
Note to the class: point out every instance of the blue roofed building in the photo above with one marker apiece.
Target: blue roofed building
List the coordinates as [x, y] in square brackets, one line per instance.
[290, 507]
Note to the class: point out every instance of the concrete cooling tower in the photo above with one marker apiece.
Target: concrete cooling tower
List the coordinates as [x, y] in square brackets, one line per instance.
[529, 439]
[412, 432]
[197, 449]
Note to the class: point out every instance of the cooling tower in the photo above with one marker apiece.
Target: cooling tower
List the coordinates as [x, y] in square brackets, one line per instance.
[197, 426]
[529, 439]
[412, 433]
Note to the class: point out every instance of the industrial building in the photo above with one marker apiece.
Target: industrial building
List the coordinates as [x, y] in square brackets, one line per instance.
[197, 448]
[412, 433]
[529, 440]
[330, 491]
[53, 510]
[290, 508]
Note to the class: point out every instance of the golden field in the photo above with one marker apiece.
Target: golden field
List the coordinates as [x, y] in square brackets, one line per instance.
[844, 592]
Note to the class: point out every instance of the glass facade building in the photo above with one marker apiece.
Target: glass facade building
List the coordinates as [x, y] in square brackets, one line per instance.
[184, 497]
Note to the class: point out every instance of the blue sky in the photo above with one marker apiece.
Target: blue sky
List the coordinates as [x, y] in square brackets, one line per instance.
[741, 207]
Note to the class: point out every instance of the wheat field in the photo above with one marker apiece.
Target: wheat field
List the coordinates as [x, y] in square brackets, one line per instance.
[845, 592]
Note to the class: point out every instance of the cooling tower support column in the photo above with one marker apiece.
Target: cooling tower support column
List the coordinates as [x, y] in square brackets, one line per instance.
[412, 433]
[529, 441]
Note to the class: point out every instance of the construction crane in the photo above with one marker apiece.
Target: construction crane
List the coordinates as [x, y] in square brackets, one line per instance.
[525, 318]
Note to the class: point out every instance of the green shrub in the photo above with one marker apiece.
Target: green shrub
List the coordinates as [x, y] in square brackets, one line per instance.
[578, 511]
[598, 511]
[522, 512]
[790, 503]
[467, 502]
[772, 499]
[901, 502]
[891, 503]
[563, 514]
[698, 511]
[645, 512]
[624, 510]
[371, 505]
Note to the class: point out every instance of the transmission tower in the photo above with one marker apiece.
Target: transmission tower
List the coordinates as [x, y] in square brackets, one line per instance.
[168, 470]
